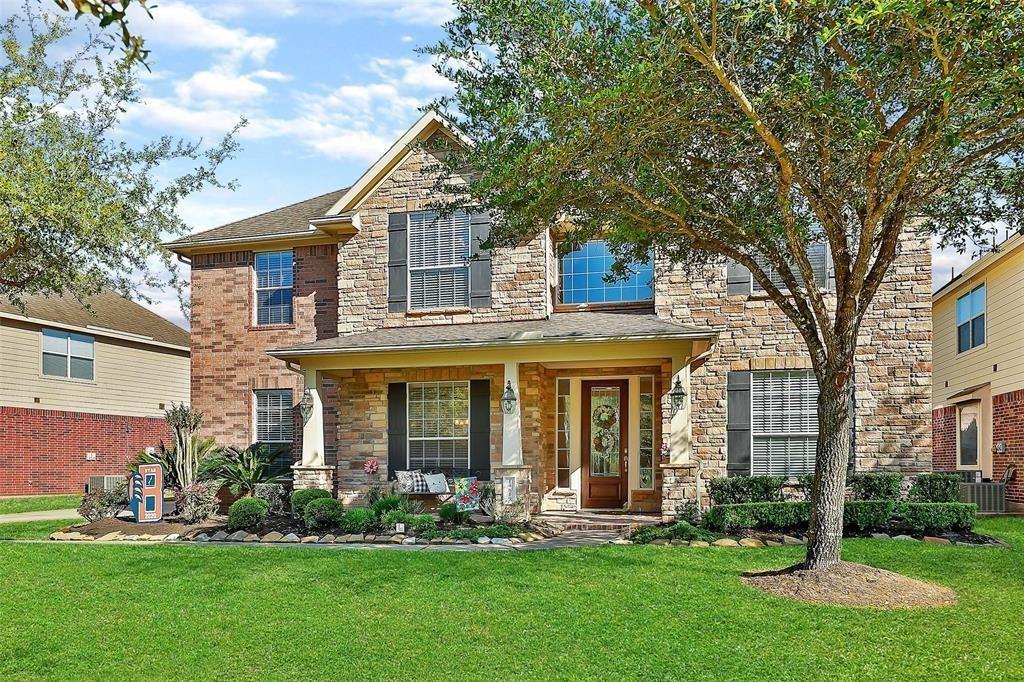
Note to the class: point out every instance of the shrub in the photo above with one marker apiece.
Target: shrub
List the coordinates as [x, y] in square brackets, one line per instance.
[323, 513]
[243, 470]
[681, 530]
[689, 512]
[781, 516]
[247, 513]
[396, 516]
[394, 501]
[743, 489]
[868, 515]
[358, 520]
[934, 517]
[300, 498]
[450, 513]
[876, 486]
[936, 488]
[805, 484]
[104, 504]
[424, 523]
[271, 493]
[196, 502]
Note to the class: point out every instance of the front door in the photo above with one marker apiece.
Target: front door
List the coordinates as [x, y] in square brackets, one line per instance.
[605, 434]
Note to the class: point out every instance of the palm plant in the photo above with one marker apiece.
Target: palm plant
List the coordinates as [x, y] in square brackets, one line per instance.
[200, 451]
[188, 460]
[243, 470]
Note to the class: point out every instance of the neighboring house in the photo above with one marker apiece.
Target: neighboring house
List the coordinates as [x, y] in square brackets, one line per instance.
[978, 392]
[83, 391]
[404, 335]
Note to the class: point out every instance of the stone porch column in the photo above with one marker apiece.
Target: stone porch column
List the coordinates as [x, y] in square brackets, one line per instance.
[512, 428]
[312, 471]
[511, 477]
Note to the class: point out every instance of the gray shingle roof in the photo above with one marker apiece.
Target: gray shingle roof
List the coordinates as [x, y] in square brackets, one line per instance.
[280, 221]
[560, 327]
[110, 311]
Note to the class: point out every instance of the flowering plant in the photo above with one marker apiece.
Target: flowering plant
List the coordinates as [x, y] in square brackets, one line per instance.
[370, 466]
[664, 451]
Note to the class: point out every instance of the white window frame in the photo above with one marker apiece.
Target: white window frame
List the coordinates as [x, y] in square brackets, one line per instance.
[257, 289]
[409, 438]
[756, 288]
[754, 434]
[970, 320]
[566, 427]
[977, 405]
[465, 266]
[67, 354]
[256, 415]
[655, 416]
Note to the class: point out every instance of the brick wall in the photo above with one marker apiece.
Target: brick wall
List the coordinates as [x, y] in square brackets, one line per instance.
[944, 438]
[228, 350]
[1008, 426]
[44, 451]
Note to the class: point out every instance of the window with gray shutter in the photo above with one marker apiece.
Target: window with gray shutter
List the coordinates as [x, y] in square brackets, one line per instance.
[439, 251]
[817, 254]
[784, 423]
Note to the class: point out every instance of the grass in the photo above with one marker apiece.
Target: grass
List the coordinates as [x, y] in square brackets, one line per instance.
[17, 505]
[69, 610]
[32, 530]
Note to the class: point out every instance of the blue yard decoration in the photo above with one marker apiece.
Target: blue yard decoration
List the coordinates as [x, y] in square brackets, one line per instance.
[146, 490]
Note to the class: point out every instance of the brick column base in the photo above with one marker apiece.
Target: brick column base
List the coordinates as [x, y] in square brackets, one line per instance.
[312, 477]
[521, 496]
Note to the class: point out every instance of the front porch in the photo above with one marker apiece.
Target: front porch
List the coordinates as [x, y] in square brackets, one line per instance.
[590, 427]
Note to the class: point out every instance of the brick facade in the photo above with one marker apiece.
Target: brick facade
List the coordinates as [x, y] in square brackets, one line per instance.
[1008, 427]
[944, 438]
[45, 451]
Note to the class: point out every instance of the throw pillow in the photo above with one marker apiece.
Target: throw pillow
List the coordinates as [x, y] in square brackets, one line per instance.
[436, 483]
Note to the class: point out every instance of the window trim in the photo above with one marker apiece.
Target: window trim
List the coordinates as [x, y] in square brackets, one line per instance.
[970, 321]
[655, 404]
[978, 404]
[409, 307]
[568, 432]
[256, 413]
[560, 306]
[774, 434]
[67, 355]
[469, 426]
[256, 289]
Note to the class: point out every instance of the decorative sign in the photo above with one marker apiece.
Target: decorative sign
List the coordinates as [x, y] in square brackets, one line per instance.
[509, 489]
[467, 494]
[146, 490]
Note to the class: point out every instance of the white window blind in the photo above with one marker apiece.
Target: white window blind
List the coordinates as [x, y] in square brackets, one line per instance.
[439, 425]
[438, 260]
[274, 416]
[817, 254]
[784, 423]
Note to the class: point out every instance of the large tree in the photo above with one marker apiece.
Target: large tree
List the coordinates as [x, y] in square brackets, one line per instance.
[748, 130]
[82, 205]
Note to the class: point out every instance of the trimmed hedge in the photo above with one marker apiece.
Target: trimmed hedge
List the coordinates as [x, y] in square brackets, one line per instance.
[876, 486]
[934, 517]
[681, 530]
[247, 513]
[300, 498]
[729, 518]
[744, 489]
[936, 488]
[868, 515]
[323, 513]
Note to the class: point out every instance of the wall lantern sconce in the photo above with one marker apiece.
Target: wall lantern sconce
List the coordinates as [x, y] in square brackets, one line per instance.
[678, 397]
[508, 399]
[306, 406]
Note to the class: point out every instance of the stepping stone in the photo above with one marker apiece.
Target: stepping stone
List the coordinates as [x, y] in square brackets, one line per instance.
[881, 536]
[699, 543]
[355, 537]
[57, 535]
[156, 538]
[326, 540]
[144, 536]
[905, 538]
[129, 538]
[725, 542]
[409, 541]
[483, 540]
[272, 536]
[790, 540]
[660, 541]
[448, 541]
[773, 543]
[251, 537]
[525, 537]
[679, 542]
[291, 537]
[435, 541]
[501, 541]
[936, 541]
[751, 542]
[202, 537]
[219, 536]
[369, 538]
[237, 536]
[462, 541]
[309, 539]
[397, 539]
[110, 537]
[173, 537]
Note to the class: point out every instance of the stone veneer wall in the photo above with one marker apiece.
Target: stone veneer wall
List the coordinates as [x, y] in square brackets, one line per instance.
[1008, 427]
[944, 438]
[893, 369]
[228, 349]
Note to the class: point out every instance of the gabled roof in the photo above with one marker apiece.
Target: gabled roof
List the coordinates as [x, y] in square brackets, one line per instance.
[1011, 244]
[573, 327]
[111, 315]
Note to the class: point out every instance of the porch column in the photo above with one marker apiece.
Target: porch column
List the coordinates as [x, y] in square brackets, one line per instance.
[680, 433]
[512, 430]
[312, 471]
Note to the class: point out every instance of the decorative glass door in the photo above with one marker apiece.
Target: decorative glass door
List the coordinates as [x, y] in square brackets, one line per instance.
[604, 432]
[605, 404]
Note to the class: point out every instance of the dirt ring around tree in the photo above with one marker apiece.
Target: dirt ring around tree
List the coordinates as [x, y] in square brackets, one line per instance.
[850, 584]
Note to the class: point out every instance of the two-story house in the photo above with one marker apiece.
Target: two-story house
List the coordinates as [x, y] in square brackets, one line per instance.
[978, 393]
[411, 345]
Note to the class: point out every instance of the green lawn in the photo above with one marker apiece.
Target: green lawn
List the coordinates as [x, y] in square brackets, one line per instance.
[78, 610]
[16, 505]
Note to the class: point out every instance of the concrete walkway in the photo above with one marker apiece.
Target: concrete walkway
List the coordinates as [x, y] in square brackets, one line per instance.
[48, 515]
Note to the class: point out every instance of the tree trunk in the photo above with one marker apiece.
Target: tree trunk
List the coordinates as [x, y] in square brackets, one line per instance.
[825, 532]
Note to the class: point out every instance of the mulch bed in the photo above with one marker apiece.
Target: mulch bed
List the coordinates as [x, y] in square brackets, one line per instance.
[850, 584]
[104, 526]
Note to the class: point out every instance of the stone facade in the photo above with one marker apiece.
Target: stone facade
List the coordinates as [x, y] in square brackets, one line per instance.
[1008, 428]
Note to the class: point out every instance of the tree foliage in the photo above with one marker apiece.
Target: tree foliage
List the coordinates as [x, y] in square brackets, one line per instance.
[80, 206]
[113, 12]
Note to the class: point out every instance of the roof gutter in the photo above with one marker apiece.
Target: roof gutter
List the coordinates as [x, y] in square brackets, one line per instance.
[173, 246]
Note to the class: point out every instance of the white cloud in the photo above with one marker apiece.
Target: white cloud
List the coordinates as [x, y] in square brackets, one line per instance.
[410, 73]
[179, 25]
[433, 12]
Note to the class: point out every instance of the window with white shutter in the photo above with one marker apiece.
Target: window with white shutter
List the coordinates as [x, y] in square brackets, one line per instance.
[817, 254]
[784, 423]
[439, 250]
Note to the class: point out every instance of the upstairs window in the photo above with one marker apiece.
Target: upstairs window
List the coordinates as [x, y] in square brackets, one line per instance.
[68, 355]
[583, 278]
[817, 254]
[274, 287]
[970, 320]
[438, 260]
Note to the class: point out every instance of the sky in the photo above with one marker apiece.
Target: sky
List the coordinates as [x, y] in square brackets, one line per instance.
[326, 86]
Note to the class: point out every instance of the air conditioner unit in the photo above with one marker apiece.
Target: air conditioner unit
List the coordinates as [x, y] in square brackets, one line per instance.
[990, 497]
[104, 483]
